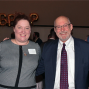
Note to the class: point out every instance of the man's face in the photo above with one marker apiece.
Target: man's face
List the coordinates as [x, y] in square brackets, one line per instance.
[63, 28]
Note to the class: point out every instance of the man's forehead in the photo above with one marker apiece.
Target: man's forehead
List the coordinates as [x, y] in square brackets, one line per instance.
[61, 19]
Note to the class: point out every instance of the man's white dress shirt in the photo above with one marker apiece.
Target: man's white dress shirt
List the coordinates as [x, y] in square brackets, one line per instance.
[71, 63]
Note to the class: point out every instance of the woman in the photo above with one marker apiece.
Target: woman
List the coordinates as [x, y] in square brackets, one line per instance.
[19, 57]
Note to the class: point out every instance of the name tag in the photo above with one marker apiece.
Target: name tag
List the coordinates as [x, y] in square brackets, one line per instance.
[32, 51]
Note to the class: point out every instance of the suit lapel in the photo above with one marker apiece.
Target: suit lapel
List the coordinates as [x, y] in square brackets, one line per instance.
[78, 57]
[54, 58]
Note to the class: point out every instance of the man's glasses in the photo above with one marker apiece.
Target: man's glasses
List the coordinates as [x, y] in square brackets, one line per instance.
[64, 26]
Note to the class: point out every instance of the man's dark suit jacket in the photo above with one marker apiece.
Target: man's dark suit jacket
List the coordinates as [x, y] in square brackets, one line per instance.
[47, 63]
[39, 41]
[42, 45]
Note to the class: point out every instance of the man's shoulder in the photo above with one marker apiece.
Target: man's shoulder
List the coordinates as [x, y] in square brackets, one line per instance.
[81, 42]
[51, 44]
[39, 39]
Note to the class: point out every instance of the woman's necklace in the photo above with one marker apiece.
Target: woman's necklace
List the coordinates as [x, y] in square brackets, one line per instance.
[24, 53]
[22, 49]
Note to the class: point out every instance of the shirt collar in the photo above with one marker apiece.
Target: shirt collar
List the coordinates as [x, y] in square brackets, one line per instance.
[69, 43]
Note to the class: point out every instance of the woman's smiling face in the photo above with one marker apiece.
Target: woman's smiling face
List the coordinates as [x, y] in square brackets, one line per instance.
[22, 30]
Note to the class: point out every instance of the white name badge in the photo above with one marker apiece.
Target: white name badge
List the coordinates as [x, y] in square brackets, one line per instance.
[32, 51]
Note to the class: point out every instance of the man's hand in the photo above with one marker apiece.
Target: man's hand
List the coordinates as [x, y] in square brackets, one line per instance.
[5, 38]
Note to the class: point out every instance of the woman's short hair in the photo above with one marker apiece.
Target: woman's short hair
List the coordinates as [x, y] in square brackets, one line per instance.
[21, 17]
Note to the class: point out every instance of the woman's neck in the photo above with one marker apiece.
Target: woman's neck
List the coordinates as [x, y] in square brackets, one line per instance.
[19, 43]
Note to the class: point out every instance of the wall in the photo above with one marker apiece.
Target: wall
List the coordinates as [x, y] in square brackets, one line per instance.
[44, 31]
[48, 10]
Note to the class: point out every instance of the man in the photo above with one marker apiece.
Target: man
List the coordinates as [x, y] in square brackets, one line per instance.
[52, 35]
[36, 38]
[77, 59]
